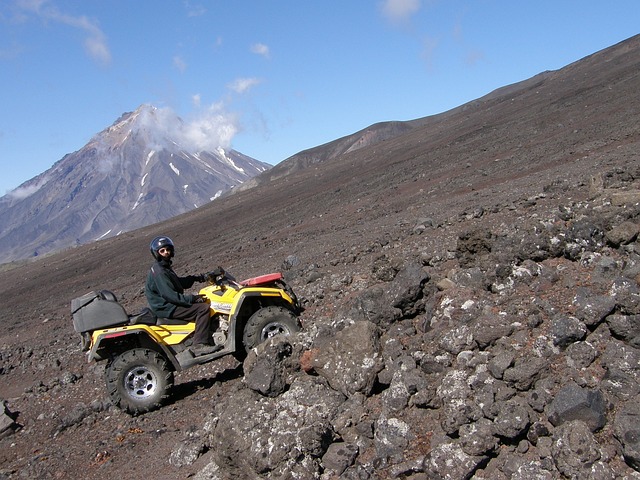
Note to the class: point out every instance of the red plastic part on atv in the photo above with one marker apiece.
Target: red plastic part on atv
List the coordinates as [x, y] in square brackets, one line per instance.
[262, 279]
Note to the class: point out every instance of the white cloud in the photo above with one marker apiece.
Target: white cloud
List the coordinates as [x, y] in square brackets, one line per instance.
[195, 100]
[474, 57]
[28, 188]
[97, 48]
[210, 128]
[242, 85]
[260, 49]
[399, 10]
[96, 42]
[429, 46]
[458, 32]
[194, 10]
[179, 63]
[23, 192]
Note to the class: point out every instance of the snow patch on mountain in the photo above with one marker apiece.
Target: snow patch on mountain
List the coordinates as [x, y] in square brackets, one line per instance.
[137, 201]
[223, 154]
[104, 234]
[217, 195]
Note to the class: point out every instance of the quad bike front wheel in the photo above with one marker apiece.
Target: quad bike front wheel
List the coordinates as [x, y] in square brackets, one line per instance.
[139, 380]
[266, 323]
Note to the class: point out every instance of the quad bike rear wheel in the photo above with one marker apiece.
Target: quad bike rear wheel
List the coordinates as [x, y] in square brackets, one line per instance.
[266, 323]
[139, 380]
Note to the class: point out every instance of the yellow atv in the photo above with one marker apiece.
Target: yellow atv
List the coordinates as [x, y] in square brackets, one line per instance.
[143, 351]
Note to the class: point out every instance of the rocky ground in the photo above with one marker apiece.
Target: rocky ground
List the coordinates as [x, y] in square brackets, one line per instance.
[472, 311]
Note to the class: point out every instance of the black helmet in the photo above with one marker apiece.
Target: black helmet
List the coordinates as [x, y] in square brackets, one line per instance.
[159, 242]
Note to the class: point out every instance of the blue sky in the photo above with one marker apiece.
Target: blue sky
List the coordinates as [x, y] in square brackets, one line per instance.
[270, 78]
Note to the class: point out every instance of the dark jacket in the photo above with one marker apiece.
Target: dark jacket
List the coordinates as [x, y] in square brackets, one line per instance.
[165, 289]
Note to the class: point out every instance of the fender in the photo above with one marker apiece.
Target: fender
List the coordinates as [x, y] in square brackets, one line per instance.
[262, 292]
[153, 340]
[274, 296]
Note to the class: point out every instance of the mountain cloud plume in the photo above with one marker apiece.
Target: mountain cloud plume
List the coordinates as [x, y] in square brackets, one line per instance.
[207, 130]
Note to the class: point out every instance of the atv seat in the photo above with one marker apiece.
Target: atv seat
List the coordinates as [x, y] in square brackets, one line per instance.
[173, 321]
[145, 317]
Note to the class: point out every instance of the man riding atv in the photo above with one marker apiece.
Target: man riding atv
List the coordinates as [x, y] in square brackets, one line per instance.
[143, 351]
[164, 290]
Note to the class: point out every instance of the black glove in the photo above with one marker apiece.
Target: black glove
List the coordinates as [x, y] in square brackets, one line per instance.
[201, 277]
[200, 299]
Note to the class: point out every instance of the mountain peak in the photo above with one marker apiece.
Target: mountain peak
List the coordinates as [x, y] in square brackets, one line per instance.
[146, 159]
[163, 129]
[152, 123]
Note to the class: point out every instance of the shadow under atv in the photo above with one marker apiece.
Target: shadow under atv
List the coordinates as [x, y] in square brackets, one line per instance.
[184, 390]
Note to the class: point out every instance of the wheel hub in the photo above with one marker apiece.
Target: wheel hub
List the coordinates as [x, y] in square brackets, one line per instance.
[272, 329]
[140, 382]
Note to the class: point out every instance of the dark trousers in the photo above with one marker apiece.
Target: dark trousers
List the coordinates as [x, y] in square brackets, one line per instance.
[200, 312]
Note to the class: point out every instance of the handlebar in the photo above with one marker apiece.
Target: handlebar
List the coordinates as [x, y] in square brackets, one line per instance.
[222, 280]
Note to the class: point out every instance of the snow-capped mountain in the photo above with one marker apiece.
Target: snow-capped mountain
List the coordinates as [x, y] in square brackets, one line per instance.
[139, 171]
